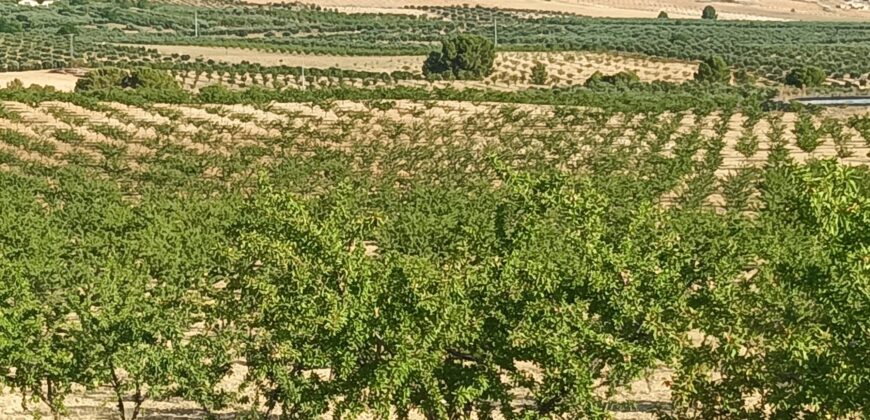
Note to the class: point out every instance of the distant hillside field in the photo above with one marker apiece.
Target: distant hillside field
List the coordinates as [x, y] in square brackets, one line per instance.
[745, 10]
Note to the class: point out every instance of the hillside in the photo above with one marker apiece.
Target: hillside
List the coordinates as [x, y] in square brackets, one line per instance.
[398, 210]
[743, 10]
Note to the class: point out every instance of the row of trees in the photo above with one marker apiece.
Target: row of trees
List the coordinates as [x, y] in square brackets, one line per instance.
[470, 57]
[765, 48]
[559, 284]
[716, 70]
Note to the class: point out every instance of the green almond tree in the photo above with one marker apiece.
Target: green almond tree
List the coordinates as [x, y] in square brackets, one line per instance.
[37, 358]
[133, 286]
[786, 335]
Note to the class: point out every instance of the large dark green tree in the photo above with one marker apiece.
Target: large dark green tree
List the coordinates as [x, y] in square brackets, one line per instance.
[710, 13]
[464, 57]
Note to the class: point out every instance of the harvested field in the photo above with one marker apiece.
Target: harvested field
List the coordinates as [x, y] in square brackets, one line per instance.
[59, 79]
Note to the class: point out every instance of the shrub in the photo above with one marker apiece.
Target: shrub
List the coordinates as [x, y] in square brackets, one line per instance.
[68, 29]
[807, 135]
[9, 26]
[539, 74]
[466, 56]
[115, 78]
[663, 15]
[743, 77]
[149, 78]
[806, 77]
[217, 94]
[102, 78]
[714, 70]
[623, 78]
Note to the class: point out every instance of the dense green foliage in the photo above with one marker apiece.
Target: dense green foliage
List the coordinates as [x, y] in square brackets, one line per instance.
[463, 57]
[436, 277]
[146, 84]
[714, 70]
[611, 95]
[621, 79]
[395, 254]
[9, 26]
[709, 13]
[808, 76]
[539, 74]
[102, 78]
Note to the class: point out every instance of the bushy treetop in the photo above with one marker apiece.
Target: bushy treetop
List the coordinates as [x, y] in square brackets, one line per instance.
[464, 57]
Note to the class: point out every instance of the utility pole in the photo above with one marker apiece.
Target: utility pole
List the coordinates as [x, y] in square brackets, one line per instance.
[303, 77]
[72, 51]
[495, 30]
[196, 23]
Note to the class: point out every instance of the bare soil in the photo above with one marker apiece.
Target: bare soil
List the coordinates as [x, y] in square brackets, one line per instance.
[61, 80]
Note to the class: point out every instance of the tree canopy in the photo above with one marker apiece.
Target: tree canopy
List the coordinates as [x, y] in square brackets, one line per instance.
[710, 13]
[118, 78]
[463, 57]
[808, 76]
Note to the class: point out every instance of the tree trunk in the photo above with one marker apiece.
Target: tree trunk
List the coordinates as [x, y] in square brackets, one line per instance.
[116, 386]
[139, 400]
